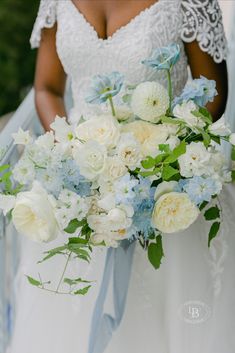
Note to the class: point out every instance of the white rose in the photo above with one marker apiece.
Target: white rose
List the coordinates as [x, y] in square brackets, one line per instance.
[164, 188]
[103, 129]
[184, 111]
[7, 203]
[149, 101]
[33, 215]
[195, 161]
[128, 150]
[114, 169]
[174, 212]
[232, 139]
[148, 135]
[220, 128]
[91, 159]
[22, 137]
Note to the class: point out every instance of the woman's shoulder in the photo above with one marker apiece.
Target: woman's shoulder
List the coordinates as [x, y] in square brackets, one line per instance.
[46, 18]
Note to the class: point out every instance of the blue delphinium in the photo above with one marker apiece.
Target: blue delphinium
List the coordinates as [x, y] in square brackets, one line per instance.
[200, 189]
[73, 180]
[104, 87]
[200, 90]
[51, 179]
[141, 221]
[124, 188]
[163, 58]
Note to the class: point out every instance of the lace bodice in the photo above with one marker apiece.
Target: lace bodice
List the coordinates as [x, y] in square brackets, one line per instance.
[83, 54]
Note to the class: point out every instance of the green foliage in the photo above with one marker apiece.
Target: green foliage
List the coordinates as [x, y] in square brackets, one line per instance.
[155, 252]
[16, 58]
[213, 232]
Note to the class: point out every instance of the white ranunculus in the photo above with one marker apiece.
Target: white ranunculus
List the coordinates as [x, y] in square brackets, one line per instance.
[64, 132]
[195, 161]
[149, 101]
[129, 151]
[148, 135]
[103, 129]
[232, 139]
[174, 212]
[184, 111]
[91, 159]
[33, 215]
[164, 188]
[220, 128]
[114, 169]
[21, 137]
[7, 203]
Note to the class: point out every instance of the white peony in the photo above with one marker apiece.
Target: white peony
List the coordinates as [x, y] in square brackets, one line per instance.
[33, 215]
[232, 139]
[64, 132]
[148, 135]
[7, 203]
[220, 128]
[174, 212]
[149, 101]
[195, 161]
[22, 137]
[164, 188]
[129, 151]
[103, 129]
[114, 168]
[91, 159]
[184, 111]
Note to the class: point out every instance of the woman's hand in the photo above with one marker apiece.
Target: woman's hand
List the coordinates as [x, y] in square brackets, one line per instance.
[50, 80]
[203, 64]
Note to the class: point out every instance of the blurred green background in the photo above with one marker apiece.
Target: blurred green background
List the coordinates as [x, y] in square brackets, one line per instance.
[17, 60]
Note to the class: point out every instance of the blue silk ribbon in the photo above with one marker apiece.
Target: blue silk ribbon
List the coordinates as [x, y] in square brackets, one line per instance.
[118, 264]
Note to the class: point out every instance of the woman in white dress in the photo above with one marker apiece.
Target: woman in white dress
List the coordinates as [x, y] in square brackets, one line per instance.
[188, 305]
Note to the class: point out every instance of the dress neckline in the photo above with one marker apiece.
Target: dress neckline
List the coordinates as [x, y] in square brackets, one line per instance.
[118, 30]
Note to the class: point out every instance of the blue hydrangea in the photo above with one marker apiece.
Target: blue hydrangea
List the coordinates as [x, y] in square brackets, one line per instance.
[163, 58]
[141, 222]
[104, 86]
[200, 189]
[200, 90]
[73, 180]
[51, 180]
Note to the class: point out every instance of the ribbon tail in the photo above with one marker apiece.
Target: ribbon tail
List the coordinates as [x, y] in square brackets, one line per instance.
[118, 264]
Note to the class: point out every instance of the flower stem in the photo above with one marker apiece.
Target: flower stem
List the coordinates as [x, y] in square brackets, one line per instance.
[169, 88]
[112, 106]
[65, 268]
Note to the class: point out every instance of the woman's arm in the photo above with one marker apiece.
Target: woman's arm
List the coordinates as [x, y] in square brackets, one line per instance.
[49, 81]
[203, 64]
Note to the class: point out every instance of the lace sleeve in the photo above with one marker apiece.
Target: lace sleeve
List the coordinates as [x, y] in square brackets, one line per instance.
[202, 21]
[46, 18]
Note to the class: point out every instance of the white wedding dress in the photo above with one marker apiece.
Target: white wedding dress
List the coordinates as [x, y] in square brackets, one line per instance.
[188, 305]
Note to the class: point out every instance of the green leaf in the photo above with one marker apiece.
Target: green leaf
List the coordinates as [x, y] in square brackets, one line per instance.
[53, 252]
[233, 175]
[150, 173]
[203, 205]
[213, 232]
[148, 163]
[212, 213]
[169, 120]
[78, 240]
[75, 281]
[126, 98]
[82, 291]
[216, 139]
[155, 252]
[160, 158]
[4, 167]
[33, 281]
[206, 137]
[73, 226]
[164, 147]
[203, 114]
[233, 153]
[168, 172]
[176, 153]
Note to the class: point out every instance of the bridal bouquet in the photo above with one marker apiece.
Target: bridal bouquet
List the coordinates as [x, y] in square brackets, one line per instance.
[143, 167]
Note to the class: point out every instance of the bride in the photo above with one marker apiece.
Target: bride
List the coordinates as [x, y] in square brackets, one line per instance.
[188, 305]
